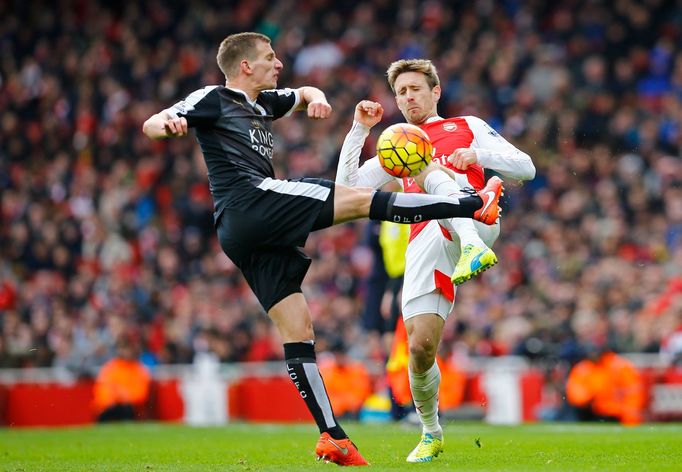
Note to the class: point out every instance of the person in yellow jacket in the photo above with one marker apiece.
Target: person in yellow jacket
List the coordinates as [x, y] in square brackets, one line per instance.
[606, 386]
[122, 385]
[393, 239]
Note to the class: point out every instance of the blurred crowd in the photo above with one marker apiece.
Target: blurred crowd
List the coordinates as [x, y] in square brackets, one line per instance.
[108, 235]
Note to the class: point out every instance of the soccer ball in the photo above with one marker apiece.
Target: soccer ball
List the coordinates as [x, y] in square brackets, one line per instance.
[404, 150]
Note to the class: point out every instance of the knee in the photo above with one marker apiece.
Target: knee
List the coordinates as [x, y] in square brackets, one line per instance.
[298, 332]
[422, 352]
[421, 177]
[292, 318]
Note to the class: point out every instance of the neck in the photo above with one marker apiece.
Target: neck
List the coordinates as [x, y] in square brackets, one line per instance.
[249, 91]
[426, 119]
[431, 116]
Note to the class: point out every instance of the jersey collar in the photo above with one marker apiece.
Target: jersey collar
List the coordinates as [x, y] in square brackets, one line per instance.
[432, 119]
[253, 103]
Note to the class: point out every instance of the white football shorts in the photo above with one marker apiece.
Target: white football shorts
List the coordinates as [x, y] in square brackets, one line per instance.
[429, 262]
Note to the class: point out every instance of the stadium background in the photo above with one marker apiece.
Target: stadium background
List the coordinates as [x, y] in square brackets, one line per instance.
[106, 234]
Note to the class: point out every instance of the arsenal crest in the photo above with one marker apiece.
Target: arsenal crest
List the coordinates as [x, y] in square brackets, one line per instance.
[449, 127]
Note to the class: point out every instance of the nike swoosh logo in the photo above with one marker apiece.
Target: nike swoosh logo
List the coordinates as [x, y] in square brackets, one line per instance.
[344, 450]
[491, 196]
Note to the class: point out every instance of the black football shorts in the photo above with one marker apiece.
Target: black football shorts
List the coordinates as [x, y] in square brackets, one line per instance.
[264, 233]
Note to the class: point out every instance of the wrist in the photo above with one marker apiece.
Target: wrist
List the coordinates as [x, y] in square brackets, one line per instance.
[361, 126]
[481, 156]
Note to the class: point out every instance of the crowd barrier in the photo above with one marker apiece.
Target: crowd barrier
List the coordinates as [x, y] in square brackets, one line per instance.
[506, 390]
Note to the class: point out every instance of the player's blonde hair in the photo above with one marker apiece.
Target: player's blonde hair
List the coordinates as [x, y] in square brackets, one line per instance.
[236, 47]
[423, 66]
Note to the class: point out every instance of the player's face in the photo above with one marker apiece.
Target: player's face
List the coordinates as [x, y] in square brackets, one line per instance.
[416, 100]
[265, 68]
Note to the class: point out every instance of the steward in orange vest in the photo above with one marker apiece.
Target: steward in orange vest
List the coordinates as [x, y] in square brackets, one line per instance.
[347, 381]
[122, 385]
[606, 386]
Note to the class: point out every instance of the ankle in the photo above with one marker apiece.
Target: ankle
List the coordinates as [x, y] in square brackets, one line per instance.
[435, 432]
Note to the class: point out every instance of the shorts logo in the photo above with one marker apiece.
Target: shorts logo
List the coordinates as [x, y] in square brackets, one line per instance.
[450, 127]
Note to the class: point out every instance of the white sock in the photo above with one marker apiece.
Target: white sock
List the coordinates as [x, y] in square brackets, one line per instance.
[424, 388]
[440, 183]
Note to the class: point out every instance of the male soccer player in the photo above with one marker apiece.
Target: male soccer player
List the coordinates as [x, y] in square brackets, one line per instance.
[440, 253]
[262, 222]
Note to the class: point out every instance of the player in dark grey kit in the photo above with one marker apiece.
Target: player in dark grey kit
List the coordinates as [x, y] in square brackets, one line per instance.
[263, 222]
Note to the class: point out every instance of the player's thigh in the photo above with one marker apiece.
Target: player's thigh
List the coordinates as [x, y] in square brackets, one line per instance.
[429, 262]
[351, 203]
[272, 272]
[424, 330]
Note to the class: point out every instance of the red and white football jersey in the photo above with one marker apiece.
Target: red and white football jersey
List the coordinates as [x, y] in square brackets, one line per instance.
[447, 135]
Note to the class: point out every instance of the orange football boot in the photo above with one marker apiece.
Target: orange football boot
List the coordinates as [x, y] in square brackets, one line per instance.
[490, 194]
[338, 451]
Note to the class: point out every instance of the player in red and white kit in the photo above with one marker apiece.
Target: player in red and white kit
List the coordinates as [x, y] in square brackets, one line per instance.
[440, 253]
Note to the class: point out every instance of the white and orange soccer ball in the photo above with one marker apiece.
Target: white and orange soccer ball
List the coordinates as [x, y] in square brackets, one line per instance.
[404, 150]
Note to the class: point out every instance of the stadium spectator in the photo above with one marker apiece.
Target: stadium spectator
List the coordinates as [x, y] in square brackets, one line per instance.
[347, 381]
[604, 387]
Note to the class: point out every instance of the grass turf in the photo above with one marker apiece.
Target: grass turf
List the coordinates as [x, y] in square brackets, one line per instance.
[152, 447]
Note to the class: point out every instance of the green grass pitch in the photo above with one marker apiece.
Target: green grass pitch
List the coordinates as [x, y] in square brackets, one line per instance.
[152, 447]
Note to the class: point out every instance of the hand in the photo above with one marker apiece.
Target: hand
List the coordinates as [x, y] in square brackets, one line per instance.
[175, 126]
[368, 113]
[319, 110]
[462, 158]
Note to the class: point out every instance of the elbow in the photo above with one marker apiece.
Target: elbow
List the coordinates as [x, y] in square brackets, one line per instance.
[528, 168]
[311, 94]
[146, 128]
[152, 129]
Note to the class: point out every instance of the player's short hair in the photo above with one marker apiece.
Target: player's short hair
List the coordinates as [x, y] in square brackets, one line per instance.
[236, 47]
[424, 66]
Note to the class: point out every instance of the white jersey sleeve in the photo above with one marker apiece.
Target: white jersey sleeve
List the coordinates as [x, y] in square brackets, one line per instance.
[349, 172]
[496, 153]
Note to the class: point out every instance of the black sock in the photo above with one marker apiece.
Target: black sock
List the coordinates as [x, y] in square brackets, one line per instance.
[416, 207]
[302, 370]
